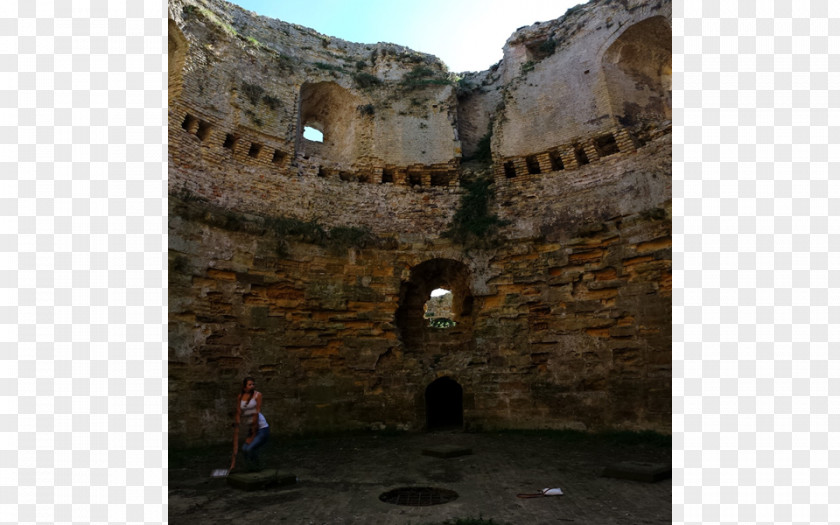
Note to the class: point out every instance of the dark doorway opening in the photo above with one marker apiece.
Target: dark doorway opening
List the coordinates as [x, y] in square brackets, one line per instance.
[444, 405]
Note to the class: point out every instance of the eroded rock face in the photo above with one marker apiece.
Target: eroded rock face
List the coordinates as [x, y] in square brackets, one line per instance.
[538, 192]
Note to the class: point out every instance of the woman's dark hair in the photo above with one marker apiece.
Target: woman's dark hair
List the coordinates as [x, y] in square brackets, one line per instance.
[245, 382]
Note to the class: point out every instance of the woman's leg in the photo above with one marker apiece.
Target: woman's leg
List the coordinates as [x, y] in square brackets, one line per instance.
[251, 449]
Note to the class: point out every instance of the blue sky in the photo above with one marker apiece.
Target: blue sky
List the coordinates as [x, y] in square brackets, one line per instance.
[467, 35]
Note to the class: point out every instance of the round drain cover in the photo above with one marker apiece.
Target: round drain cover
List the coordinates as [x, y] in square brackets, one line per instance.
[418, 496]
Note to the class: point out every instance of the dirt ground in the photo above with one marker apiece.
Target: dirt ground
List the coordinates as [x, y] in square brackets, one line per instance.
[342, 477]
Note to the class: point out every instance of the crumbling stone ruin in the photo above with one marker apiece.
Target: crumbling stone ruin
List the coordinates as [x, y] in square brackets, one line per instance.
[537, 192]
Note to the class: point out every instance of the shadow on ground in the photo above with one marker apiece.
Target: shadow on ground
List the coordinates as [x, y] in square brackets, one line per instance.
[342, 476]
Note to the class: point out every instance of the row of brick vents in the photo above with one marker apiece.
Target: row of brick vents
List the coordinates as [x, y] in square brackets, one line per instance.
[418, 496]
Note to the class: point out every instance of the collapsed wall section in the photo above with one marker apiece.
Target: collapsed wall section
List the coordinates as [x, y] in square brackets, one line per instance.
[603, 68]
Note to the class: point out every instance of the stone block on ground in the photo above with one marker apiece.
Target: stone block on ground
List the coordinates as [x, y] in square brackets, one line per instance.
[638, 471]
[260, 480]
[447, 451]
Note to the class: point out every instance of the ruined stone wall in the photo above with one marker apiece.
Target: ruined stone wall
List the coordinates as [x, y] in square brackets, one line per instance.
[307, 265]
[568, 80]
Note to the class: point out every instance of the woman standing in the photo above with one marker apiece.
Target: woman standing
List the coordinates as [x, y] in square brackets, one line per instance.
[248, 413]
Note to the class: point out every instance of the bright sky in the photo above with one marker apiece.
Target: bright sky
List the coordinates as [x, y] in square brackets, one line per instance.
[467, 35]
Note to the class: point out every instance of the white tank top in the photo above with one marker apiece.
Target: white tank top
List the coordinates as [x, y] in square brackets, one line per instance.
[249, 408]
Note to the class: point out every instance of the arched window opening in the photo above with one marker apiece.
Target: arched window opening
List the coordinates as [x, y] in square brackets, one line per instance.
[438, 309]
[328, 124]
[417, 301]
[637, 72]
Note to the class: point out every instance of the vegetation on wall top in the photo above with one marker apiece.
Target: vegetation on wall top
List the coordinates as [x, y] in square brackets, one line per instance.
[473, 225]
[191, 10]
[422, 76]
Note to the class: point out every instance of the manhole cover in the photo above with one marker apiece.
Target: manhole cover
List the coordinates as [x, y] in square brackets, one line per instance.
[418, 496]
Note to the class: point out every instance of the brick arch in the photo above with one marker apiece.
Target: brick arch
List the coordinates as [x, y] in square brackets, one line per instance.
[177, 53]
[636, 69]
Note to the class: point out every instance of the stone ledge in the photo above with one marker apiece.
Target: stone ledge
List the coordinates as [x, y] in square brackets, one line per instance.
[260, 480]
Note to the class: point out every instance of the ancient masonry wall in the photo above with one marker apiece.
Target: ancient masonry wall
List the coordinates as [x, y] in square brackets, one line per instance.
[306, 264]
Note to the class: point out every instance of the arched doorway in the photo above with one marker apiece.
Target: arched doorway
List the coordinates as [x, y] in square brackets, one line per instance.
[444, 405]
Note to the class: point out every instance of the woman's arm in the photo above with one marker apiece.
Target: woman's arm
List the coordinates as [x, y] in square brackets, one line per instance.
[236, 415]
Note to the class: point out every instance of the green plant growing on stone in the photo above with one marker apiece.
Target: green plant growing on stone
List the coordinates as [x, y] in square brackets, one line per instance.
[483, 152]
[343, 237]
[227, 28]
[366, 110]
[473, 225]
[310, 232]
[366, 80]
[441, 322]
[463, 86]
[527, 67]
[252, 92]
[271, 102]
[422, 76]
[329, 67]
[547, 48]
[284, 62]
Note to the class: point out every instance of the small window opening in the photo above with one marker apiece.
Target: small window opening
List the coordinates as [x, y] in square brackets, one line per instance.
[556, 161]
[279, 157]
[321, 172]
[364, 177]
[440, 179]
[414, 179]
[606, 145]
[580, 155]
[255, 150]
[230, 142]
[510, 170]
[387, 176]
[346, 176]
[189, 123]
[533, 164]
[203, 130]
[310, 133]
[438, 309]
